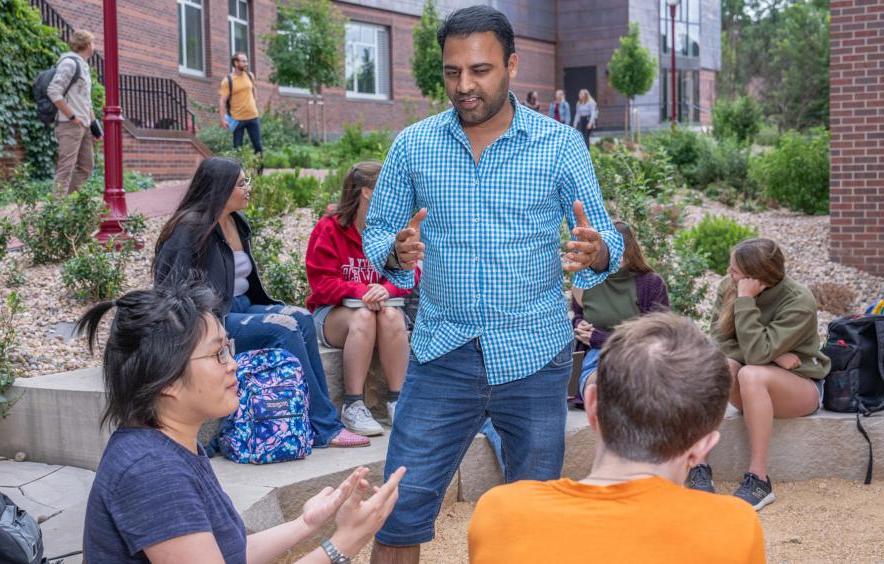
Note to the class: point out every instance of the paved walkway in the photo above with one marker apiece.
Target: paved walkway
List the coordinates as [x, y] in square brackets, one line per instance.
[53, 495]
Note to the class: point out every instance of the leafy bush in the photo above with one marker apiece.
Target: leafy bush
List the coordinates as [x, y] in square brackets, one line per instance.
[713, 239]
[285, 277]
[724, 162]
[53, 231]
[767, 136]
[6, 231]
[278, 130]
[278, 193]
[13, 276]
[682, 270]
[8, 341]
[796, 172]
[216, 138]
[98, 272]
[682, 145]
[329, 191]
[354, 145]
[738, 119]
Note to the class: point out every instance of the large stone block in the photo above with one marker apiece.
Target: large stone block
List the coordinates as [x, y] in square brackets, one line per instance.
[56, 419]
[375, 385]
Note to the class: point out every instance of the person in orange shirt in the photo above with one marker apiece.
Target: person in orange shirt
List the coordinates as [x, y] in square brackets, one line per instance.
[661, 394]
[238, 103]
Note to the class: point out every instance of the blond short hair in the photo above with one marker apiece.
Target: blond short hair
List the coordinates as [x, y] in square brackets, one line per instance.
[80, 40]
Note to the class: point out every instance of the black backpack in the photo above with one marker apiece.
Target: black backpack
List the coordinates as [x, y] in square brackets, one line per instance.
[21, 540]
[855, 383]
[46, 110]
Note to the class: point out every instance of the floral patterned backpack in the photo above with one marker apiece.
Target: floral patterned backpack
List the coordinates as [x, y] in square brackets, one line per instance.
[272, 423]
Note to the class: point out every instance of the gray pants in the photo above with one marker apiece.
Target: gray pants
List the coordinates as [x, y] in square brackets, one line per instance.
[75, 159]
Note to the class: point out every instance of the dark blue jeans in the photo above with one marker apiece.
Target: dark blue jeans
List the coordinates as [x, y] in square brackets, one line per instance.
[290, 328]
[442, 406]
[253, 126]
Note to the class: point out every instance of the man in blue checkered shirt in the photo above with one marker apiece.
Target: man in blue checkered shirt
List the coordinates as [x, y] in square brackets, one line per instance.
[490, 182]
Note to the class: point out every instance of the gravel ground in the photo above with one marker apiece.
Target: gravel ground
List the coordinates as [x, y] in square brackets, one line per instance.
[815, 521]
[804, 240]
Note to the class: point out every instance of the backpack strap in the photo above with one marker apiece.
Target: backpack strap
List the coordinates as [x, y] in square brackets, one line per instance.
[75, 77]
[865, 435]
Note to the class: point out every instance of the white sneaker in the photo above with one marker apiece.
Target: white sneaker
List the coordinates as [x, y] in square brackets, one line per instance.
[391, 411]
[357, 418]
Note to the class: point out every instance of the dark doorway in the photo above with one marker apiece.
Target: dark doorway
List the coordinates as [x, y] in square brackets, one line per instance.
[576, 79]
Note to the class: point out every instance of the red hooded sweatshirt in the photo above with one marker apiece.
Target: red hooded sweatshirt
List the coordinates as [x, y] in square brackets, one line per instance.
[337, 267]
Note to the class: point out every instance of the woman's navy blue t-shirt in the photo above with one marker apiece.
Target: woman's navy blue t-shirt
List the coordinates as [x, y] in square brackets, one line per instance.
[149, 489]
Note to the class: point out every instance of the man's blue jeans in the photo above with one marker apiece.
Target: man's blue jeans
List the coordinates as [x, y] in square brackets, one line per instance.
[290, 328]
[442, 406]
[253, 126]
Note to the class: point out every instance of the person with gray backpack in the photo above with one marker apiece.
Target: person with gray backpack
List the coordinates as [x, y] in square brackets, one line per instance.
[70, 91]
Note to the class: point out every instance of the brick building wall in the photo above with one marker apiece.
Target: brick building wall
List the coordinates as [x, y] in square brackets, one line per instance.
[856, 75]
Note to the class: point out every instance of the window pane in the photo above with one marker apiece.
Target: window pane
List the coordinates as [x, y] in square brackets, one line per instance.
[366, 76]
[193, 29]
[351, 64]
[368, 34]
[383, 62]
[180, 37]
[231, 7]
[681, 39]
[243, 10]
[352, 33]
[694, 11]
[241, 38]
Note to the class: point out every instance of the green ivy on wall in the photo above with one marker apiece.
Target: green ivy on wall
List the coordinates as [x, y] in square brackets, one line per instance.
[26, 48]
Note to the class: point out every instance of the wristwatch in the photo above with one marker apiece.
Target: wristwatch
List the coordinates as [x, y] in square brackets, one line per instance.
[393, 262]
[333, 553]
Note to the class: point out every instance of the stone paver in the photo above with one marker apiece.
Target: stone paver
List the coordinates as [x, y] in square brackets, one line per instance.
[15, 474]
[65, 488]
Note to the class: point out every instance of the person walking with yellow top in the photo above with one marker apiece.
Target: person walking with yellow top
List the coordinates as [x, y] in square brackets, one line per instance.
[766, 324]
[238, 103]
[661, 394]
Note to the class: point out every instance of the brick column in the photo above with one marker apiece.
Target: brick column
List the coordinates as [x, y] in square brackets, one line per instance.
[856, 106]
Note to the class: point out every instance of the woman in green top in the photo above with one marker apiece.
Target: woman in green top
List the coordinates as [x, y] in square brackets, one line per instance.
[766, 324]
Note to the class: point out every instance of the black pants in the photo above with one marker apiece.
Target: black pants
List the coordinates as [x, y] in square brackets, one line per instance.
[585, 131]
[253, 126]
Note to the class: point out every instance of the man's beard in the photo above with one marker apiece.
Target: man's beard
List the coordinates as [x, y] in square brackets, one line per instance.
[489, 106]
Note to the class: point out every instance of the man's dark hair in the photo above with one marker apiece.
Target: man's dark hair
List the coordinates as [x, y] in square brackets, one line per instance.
[479, 19]
[662, 386]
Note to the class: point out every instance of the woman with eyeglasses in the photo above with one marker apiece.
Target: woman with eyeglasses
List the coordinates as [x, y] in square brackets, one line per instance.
[168, 368]
[209, 237]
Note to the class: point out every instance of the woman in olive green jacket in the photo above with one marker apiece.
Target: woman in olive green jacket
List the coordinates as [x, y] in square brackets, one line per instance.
[766, 324]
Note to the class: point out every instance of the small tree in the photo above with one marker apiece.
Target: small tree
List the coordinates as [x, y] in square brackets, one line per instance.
[631, 69]
[426, 64]
[305, 45]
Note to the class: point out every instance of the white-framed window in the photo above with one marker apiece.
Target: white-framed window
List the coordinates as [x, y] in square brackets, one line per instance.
[191, 49]
[367, 61]
[238, 23]
[293, 89]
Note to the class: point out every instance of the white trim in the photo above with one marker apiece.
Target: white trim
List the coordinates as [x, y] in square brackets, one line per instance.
[190, 72]
[294, 91]
[364, 96]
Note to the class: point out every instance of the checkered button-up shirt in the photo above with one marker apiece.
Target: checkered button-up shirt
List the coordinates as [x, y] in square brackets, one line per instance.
[492, 266]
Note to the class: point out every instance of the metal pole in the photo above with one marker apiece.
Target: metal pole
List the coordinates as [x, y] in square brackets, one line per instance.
[114, 197]
[673, 93]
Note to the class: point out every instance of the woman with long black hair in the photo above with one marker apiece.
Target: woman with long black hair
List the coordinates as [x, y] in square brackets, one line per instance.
[209, 236]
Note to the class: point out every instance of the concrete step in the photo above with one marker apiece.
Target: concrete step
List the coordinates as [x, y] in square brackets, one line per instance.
[56, 421]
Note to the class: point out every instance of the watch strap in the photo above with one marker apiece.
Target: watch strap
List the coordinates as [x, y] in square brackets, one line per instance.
[333, 553]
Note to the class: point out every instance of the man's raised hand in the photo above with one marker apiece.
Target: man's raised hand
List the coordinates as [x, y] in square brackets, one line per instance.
[408, 247]
[588, 250]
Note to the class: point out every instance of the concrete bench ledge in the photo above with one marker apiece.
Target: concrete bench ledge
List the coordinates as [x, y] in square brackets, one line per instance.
[56, 422]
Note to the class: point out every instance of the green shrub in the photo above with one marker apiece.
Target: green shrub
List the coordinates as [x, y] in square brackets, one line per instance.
[280, 192]
[682, 270]
[767, 136]
[285, 277]
[276, 159]
[355, 146]
[98, 272]
[713, 238]
[682, 145]
[13, 275]
[796, 172]
[278, 130]
[725, 163]
[6, 231]
[329, 191]
[216, 138]
[9, 371]
[738, 119]
[53, 231]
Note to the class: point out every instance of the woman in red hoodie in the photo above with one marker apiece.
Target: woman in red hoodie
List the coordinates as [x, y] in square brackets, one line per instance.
[337, 270]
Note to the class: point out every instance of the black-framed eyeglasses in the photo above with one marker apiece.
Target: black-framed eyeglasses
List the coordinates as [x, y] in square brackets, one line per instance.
[224, 354]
